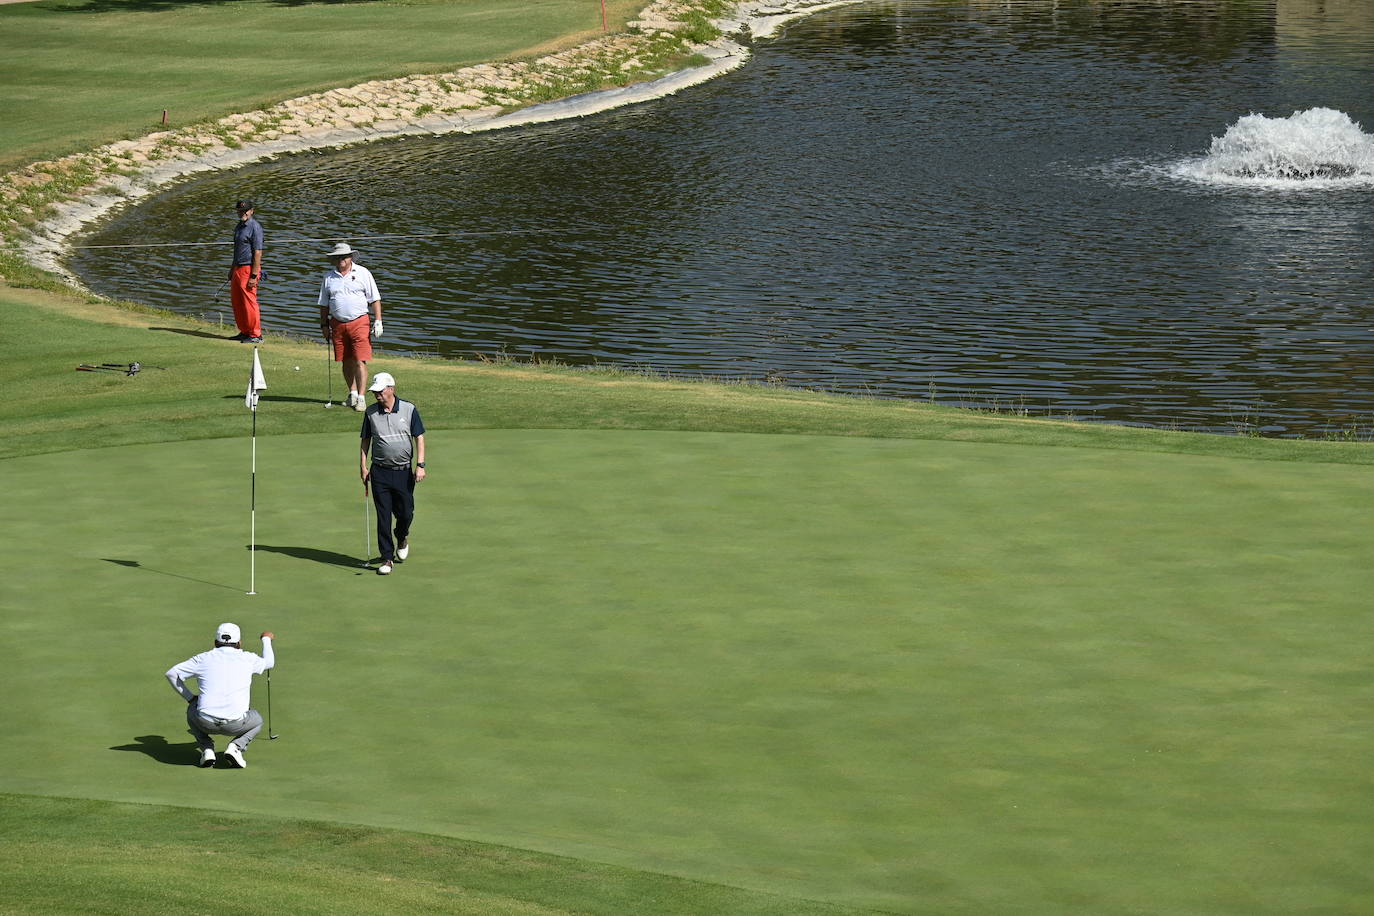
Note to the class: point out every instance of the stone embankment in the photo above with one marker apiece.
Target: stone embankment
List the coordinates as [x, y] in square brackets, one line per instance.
[44, 204]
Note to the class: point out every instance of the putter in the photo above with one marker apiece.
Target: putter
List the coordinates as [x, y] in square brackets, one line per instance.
[329, 379]
[367, 533]
[271, 735]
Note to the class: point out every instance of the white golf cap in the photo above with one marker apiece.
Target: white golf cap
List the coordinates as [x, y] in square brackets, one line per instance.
[227, 632]
[381, 380]
[340, 250]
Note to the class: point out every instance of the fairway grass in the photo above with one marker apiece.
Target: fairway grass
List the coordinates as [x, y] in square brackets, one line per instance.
[79, 73]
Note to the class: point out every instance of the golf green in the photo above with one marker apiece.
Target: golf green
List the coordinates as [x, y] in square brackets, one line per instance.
[917, 675]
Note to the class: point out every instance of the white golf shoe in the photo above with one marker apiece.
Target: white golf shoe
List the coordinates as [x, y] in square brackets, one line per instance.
[235, 757]
[403, 549]
[207, 758]
[384, 569]
[352, 399]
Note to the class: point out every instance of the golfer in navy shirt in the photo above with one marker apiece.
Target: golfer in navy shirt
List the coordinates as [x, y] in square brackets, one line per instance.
[245, 273]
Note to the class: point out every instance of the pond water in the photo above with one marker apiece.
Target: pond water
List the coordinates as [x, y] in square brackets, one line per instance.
[1133, 212]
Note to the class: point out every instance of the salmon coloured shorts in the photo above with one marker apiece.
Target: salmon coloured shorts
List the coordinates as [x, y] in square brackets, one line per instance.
[353, 340]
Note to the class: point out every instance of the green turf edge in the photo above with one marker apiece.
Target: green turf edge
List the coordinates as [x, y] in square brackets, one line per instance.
[199, 394]
[64, 855]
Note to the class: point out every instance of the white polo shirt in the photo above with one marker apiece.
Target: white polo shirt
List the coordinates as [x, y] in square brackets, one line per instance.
[226, 678]
[348, 295]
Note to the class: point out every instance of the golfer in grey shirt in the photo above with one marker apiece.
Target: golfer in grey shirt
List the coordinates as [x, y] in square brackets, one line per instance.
[395, 435]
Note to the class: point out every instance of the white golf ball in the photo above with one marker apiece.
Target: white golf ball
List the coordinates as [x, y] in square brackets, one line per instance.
[298, 368]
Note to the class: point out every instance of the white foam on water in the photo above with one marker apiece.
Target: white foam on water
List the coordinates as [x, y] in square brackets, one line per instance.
[1314, 149]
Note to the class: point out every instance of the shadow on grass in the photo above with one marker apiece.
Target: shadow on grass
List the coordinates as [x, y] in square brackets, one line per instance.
[157, 747]
[274, 397]
[189, 332]
[134, 564]
[310, 553]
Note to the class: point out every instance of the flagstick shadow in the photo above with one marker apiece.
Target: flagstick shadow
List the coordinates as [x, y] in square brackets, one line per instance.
[134, 564]
[274, 397]
[328, 557]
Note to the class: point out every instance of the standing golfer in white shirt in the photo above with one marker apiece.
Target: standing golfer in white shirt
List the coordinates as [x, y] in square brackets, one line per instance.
[225, 675]
[347, 292]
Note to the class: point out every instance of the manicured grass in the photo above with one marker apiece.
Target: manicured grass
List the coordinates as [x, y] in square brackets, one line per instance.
[123, 858]
[81, 72]
[913, 673]
[662, 646]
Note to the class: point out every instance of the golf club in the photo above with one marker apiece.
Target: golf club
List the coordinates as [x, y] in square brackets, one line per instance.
[131, 369]
[271, 735]
[329, 378]
[367, 533]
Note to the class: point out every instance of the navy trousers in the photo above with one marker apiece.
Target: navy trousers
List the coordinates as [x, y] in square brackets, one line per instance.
[393, 493]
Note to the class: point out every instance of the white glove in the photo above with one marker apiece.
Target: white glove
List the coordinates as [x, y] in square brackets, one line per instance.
[377, 328]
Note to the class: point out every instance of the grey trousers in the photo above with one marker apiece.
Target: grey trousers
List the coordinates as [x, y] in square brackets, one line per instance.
[243, 729]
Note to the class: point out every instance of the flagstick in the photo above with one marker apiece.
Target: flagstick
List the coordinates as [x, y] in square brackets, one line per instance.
[253, 513]
[256, 383]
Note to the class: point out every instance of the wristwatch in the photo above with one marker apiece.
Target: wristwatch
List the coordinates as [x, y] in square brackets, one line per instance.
[419, 464]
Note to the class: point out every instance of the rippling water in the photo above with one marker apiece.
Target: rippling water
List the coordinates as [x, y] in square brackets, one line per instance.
[1092, 209]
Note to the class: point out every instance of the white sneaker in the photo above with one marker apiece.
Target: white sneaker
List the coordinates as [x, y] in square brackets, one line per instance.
[360, 405]
[235, 757]
[384, 569]
[207, 758]
[403, 549]
[352, 399]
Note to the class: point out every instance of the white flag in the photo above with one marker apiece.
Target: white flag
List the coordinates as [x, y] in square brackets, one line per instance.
[256, 383]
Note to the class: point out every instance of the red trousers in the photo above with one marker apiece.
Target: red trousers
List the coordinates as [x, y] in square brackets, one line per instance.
[245, 301]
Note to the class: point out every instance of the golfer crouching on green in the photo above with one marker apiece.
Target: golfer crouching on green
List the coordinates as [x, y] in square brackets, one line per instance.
[225, 675]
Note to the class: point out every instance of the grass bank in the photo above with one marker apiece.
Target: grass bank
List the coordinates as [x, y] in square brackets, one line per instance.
[137, 859]
[66, 409]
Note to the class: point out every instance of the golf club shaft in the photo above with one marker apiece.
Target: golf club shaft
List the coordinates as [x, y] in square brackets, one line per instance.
[270, 733]
[367, 531]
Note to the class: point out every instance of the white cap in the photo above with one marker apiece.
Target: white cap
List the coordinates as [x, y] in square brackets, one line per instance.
[382, 380]
[227, 633]
[340, 250]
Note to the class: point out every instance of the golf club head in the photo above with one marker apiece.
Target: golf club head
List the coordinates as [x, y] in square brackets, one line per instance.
[327, 405]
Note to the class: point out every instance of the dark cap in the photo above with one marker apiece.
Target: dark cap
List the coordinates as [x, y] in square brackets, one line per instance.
[242, 205]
